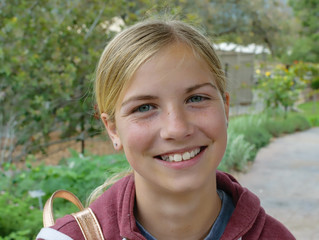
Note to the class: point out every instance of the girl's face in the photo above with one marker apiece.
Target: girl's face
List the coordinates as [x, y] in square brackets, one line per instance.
[171, 121]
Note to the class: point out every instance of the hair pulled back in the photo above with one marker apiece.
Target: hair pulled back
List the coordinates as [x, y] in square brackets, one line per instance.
[133, 46]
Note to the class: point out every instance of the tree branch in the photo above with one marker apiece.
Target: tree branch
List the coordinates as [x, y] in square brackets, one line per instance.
[96, 20]
[230, 30]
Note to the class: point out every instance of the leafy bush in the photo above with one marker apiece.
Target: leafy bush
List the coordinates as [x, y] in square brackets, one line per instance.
[280, 88]
[314, 121]
[77, 174]
[279, 125]
[252, 127]
[299, 123]
[247, 134]
[80, 174]
[19, 235]
[238, 153]
[17, 214]
[307, 72]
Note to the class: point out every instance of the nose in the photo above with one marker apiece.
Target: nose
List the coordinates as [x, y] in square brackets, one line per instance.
[176, 125]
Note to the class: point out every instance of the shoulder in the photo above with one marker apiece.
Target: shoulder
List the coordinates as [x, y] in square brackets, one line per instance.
[68, 226]
[273, 229]
[249, 219]
[114, 197]
[266, 227]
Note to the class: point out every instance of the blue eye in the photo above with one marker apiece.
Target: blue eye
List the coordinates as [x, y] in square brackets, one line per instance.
[144, 108]
[195, 98]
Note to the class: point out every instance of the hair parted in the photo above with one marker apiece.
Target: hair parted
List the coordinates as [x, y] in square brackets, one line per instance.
[133, 46]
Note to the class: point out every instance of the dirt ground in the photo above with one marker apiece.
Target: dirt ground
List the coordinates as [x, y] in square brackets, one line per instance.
[99, 145]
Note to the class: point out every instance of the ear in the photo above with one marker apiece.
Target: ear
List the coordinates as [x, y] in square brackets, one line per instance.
[110, 127]
[226, 105]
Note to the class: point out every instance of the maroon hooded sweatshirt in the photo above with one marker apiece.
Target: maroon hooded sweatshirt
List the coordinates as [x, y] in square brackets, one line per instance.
[114, 211]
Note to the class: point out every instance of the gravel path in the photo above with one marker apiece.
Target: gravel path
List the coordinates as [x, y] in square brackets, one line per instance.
[285, 176]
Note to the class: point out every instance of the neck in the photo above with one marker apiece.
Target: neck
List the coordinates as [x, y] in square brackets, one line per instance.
[185, 215]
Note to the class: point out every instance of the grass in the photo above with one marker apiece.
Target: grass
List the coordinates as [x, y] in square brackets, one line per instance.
[311, 111]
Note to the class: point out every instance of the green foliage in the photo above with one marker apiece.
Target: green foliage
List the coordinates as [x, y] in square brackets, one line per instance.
[252, 128]
[17, 214]
[279, 88]
[307, 72]
[311, 111]
[261, 22]
[247, 134]
[77, 174]
[18, 235]
[48, 53]
[238, 152]
[305, 47]
[76, 169]
[280, 125]
[315, 84]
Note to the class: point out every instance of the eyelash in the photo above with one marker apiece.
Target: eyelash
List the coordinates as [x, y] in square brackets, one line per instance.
[138, 109]
[202, 98]
[151, 107]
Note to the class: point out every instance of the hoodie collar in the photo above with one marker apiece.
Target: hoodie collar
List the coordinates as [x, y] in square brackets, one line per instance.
[120, 201]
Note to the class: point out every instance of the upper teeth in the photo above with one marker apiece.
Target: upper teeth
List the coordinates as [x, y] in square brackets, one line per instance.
[177, 157]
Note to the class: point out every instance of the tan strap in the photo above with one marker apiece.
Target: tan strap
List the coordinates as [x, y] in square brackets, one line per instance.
[48, 218]
[88, 224]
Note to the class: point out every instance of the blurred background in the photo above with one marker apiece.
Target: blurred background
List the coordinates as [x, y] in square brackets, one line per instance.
[50, 134]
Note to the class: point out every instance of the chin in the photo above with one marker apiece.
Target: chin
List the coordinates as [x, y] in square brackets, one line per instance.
[188, 184]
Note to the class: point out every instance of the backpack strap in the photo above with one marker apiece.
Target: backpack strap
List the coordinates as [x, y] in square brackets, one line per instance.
[48, 218]
[88, 224]
[86, 219]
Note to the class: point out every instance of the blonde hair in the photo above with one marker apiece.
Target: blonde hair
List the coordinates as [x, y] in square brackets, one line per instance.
[131, 48]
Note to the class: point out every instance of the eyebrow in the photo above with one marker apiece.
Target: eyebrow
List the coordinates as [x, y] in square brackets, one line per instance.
[150, 97]
[139, 98]
[190, 89]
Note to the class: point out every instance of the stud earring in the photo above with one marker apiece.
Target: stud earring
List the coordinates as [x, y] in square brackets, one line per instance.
[115, 144]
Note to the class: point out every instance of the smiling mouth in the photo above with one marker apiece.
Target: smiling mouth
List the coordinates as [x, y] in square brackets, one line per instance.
[178, 157]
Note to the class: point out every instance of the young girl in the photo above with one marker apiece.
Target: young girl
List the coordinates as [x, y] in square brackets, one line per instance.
[161, 92]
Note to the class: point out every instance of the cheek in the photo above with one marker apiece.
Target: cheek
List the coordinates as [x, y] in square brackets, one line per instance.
[213, 122]
[136, 137]
[137, 140]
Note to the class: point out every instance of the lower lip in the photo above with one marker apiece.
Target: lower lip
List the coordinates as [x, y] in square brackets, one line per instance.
[183, 164]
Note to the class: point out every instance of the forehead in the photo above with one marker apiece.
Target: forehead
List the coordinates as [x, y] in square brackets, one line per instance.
[165, 64]
[170, 58]
[177, 51]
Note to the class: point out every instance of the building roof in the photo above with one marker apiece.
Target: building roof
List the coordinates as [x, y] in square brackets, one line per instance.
[251, 48]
